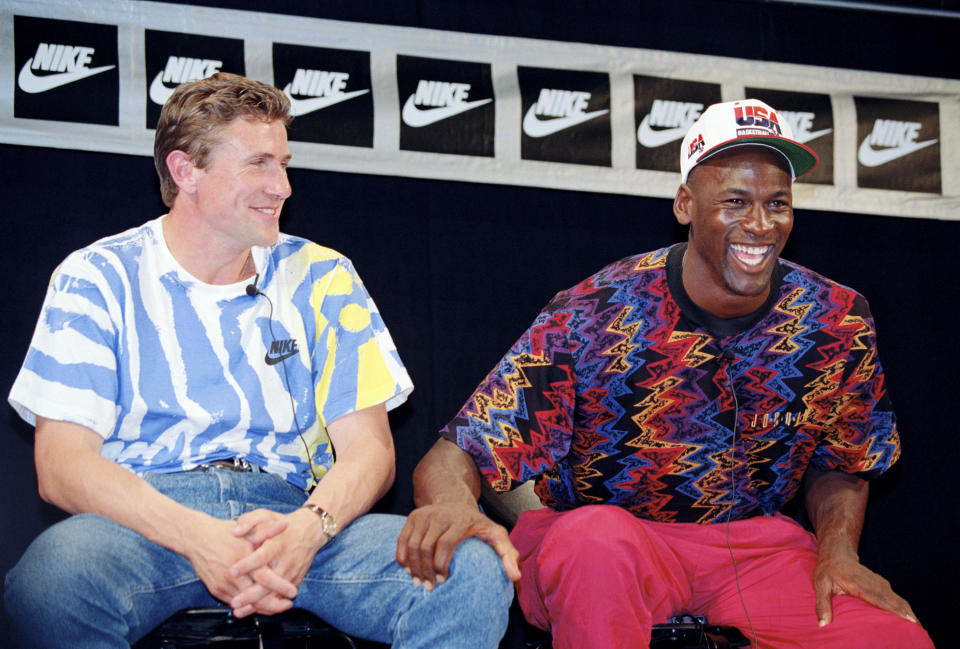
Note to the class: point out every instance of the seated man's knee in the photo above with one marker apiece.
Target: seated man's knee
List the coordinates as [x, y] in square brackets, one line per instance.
[43, 591]
[477, 563]
[856, 621]
[477, 574]
[594, 534]
[65, 562]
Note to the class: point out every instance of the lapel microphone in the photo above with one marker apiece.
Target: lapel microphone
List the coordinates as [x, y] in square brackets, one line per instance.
[252, 289]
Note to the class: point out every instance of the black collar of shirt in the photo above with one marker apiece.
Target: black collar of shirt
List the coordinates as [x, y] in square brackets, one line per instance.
[718, 327]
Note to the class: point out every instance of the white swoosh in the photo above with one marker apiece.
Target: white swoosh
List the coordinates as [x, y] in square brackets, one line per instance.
[417, 117]
[304, 106]
[870, 157]
[536, 127]
[31, 83]
[804, 137]
[159, 93]
[651, 138]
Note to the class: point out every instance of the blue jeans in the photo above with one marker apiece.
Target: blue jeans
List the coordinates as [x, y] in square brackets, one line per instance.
[90, 582]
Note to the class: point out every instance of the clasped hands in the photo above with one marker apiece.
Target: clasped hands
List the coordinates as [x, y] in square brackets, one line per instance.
[256, 563]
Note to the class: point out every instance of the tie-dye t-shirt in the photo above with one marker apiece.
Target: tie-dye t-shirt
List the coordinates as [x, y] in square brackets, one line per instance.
[173, 372]
[624, 392]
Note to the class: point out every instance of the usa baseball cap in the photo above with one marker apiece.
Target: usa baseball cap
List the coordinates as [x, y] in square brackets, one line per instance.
[739, 123]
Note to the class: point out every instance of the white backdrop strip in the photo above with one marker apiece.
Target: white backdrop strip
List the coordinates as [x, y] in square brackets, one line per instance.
[260, 30]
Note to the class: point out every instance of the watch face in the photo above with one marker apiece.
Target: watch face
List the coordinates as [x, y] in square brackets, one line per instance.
[329, 525]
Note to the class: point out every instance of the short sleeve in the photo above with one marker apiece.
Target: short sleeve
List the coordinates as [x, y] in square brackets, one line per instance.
[358, 364]
[70, 370]
[860, 436]
[519, 422]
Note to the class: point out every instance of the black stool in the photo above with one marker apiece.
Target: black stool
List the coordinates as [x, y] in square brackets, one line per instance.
[681, 632]
[217, 627]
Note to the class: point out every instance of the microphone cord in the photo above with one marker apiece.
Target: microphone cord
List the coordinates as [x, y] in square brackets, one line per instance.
[253, 291]
[733, 488]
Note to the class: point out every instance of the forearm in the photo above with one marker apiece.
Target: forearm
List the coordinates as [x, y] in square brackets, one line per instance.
[74, 476]
[362, 473]
[836, 503]
[446, 475]
[355, 483]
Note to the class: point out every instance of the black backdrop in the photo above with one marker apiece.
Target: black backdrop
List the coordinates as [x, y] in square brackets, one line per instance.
[459, 270]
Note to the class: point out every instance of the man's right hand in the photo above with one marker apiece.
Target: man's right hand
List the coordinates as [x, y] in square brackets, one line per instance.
[432, 532]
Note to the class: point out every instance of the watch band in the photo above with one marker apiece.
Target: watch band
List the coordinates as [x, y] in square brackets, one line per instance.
[327, 524]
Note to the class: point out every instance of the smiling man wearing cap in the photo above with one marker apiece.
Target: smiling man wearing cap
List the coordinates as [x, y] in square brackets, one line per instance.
[667, 408]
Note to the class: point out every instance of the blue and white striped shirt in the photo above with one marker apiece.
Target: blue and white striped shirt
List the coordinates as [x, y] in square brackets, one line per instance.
[173, 372]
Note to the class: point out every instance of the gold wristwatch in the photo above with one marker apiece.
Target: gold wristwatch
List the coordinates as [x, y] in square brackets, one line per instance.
[327, 525]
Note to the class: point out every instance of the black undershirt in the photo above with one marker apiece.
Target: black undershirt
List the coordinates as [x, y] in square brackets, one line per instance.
[718, 327]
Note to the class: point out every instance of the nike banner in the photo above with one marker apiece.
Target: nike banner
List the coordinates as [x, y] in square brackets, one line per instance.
[445, 106]
[665, 109]
[330, 93]
[171, 58]
[566, 116]
[421, 103]
[66, 71]
[898, 144]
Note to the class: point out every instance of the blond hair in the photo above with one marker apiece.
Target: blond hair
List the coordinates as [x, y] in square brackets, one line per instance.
[191, 120]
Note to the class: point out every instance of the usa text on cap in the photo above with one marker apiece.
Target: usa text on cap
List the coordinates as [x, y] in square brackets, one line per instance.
[740, 123]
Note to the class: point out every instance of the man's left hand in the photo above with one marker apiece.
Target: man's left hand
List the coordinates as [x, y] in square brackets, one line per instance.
[289, 553]
[847, 576]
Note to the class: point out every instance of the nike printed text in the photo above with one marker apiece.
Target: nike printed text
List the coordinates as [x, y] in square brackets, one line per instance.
[445, 98]
[567, 108]
[896, 139]
[180, 69]
[673, 119]
[69, 62]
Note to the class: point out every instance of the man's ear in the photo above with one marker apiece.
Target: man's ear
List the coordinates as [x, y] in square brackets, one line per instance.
[683, 205]
[183, 171]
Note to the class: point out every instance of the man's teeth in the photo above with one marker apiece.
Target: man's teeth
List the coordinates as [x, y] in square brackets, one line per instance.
[749, 255]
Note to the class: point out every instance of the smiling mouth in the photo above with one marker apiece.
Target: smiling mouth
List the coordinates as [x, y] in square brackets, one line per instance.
[750, 255]
[269, 211]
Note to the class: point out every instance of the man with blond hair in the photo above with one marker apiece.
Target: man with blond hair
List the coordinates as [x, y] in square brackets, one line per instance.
[210, 398]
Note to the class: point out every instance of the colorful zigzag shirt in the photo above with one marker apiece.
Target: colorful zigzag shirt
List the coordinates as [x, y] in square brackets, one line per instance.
[624, 392]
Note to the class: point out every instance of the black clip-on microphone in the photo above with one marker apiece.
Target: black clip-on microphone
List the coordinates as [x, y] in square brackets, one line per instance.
[252, 289]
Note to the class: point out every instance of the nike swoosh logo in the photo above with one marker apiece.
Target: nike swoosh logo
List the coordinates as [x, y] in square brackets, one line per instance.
[304, 106]
[31, 83]
[418, 117]
[159, 93]
[273, 360]
[536, 127]
[804, 137]
[651, 138]
[870, 157]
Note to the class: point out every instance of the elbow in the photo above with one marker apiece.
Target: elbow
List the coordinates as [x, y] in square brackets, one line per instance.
[389, 478]
[51, 472]
[50, 476]
[387, 472]
[47, 487]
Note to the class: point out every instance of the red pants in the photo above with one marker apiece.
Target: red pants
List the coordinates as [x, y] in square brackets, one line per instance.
[599, 577]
